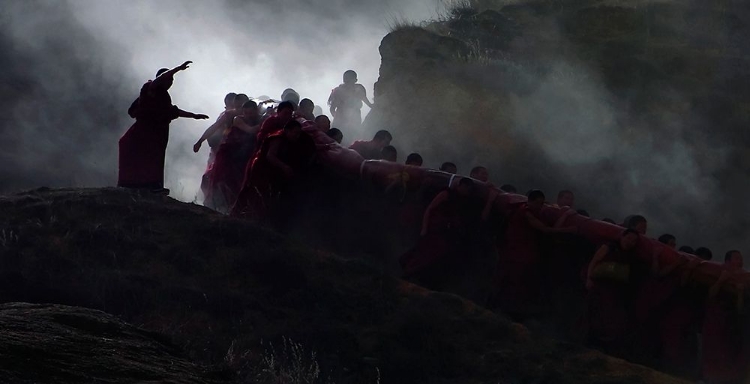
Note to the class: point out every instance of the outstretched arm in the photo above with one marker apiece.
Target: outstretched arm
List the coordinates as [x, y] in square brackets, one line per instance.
[170, 73]
[245, 127]
[220, 123]
[191, 115]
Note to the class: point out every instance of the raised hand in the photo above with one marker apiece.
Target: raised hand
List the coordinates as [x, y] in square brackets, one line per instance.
[197, 147]
[185, 65]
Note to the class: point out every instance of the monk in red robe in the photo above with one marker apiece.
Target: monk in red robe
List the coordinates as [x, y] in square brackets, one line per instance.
[323, 123]
[724, 354]
[613, 278]
[232, 157]
[372, 149]
[281, 162]
[305, 110]
[480, 173]
[449, 226]
[214, 135]
[143, 147]
[346, 103]
[518, 277]
[276, 122]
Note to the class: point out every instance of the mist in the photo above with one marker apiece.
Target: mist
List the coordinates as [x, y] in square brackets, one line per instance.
[75, 66]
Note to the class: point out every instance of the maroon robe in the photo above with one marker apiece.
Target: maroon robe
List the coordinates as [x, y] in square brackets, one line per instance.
[271, 125]
[228, 171]
[518, 278]
[143, 147]
[367, 149]
[263, 182]
[723, 356]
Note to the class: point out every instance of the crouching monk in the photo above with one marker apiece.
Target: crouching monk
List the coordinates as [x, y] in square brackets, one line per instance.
[144, 145]
[281, 161]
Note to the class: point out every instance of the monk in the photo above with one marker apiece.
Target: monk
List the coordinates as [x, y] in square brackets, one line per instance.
[704, 253]
[346, 103]
[372, 149]
[232, 157]
[323, 123]
[507, 188]
[613, 277]
[480, 173]
[336, 134]
[291, 96]
[637, 223]
[449, 167]
[214, 135]
[668, 240]
[414, 159]
[518, 274]
[305, 110]
[448, 225]
[389, 153]
[143, 147]
[723, 359]
[282, 160]
[565, 198]
[276, 122]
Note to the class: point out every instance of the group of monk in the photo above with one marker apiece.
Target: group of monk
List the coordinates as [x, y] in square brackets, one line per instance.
[261, 154]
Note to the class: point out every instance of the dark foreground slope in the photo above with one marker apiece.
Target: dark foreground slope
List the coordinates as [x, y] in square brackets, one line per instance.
[225, 290]
[59, 344]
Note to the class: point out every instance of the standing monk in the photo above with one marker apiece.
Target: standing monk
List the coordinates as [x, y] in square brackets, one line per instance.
[144, 145]
[346, 103]
[232, 157]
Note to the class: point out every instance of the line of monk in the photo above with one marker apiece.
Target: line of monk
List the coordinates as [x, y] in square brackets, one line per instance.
[263, 163]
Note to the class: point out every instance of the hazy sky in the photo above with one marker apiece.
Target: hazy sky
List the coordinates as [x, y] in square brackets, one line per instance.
[255, 47]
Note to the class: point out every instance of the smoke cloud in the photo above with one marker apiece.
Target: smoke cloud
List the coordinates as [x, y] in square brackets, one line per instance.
[72, 68]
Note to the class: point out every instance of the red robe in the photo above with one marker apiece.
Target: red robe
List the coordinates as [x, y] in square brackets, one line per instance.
[214, 141]
[518, 276]
[263, 182]
[272, 125]
[143, 147]
[723, 360]
[228, 171]
[367, 149]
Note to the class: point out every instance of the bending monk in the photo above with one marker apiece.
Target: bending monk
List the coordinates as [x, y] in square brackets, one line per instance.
[144, 145]
[276, 122]
[372, 149]
[282, 160]
[518, 277]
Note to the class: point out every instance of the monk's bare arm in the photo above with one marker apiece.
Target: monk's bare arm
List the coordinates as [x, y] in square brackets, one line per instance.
[159, 81]
[364, 96]
[210, 131]
[441, 198]
[598, 257]
[245, 127]
[559, 223]
[191, 115]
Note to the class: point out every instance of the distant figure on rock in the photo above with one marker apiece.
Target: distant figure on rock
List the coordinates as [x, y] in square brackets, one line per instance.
[143, 147]
[346, 103]
[372, 149]
[335, 134]
[414, 159]
[449, 167]
[389, 153]
[480, 173]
